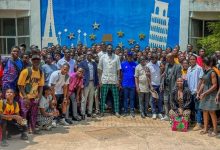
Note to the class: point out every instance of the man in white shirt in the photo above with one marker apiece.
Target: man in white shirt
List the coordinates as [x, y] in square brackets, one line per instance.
[59, 81]
[154, 67]
[109, 67]
[67, 59]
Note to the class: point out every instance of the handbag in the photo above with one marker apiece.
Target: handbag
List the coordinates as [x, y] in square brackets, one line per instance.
[179, 123]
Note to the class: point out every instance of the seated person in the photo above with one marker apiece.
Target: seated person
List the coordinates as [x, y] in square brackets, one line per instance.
[181, 100]
[47, 110]
[11, 121]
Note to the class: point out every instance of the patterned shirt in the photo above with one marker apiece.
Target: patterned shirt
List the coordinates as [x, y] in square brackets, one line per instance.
[11, 73]
[193, 76]
[109, 66]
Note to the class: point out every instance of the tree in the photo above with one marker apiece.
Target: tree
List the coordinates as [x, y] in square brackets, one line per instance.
[211, 42]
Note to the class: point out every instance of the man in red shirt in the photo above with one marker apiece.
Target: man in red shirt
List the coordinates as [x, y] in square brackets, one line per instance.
[199, 60]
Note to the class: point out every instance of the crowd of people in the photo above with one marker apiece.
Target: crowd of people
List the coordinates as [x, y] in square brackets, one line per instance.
[59, 85]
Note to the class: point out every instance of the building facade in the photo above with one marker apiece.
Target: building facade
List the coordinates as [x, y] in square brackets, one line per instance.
[20, 22]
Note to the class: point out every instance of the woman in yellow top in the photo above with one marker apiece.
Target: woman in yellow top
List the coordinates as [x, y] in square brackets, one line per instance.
[11, 121]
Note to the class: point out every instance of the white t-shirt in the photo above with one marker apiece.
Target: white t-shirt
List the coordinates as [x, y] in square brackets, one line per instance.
[59, 80]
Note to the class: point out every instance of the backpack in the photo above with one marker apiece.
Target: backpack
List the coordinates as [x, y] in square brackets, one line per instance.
[5, 103]
[28, 86]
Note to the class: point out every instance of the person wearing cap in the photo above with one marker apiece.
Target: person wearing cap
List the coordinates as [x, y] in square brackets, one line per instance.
[30, 84]
[142, 86]
[90, 83]
[109, 68]
[67, 59]
[128, 83]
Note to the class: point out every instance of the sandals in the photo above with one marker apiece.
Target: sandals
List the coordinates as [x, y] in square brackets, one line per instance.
[203, 132]
[212, 134]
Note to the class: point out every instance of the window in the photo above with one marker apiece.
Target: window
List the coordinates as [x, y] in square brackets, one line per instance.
[13, 31]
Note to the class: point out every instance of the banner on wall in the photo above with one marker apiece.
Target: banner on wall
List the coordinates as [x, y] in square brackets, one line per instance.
[154, 23]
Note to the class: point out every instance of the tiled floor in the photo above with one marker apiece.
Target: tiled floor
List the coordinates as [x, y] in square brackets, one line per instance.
[111, 133]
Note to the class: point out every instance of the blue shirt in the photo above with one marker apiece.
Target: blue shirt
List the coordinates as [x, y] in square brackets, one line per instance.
[48, 70]
[128, 71]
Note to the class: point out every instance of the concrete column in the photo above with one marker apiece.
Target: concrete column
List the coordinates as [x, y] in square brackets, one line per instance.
[184, 24]
[35, 23]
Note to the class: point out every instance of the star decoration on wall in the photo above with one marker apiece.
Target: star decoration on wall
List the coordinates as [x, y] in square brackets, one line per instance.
[120, 44]
[96, 26]
[120, 34]
[131, 41]
[92, 37]
[142, 36]
[71, 36]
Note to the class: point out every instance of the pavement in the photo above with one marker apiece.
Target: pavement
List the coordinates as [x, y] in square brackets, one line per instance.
[112, 133]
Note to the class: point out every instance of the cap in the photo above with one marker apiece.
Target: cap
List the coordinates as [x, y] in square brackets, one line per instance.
[35, 57]
[67, 51]
[130, 53]
[89, 53]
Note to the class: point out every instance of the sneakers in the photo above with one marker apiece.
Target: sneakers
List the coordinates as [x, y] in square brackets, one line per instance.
[24, 136]
[165, 118]
[4, 143]
[160, 116]
[154, 116]
[197, 127]
[117, 115]
[68, 121]
[54, 124]
[143, 115]
[132, 114]
[63, 122]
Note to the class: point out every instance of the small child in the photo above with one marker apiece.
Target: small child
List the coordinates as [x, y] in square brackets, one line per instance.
[11, 121]
[47, 110]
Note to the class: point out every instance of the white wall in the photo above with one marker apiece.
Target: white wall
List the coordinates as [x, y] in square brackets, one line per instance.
[184, 24]
[35, 23]
[15, 4]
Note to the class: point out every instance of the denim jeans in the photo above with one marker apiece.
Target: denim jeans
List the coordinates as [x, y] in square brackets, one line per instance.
[129, 93]
[158, 102]
[144, 99]
[198, 112]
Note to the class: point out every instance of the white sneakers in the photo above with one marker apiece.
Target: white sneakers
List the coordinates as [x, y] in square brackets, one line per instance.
[160, 116]
[63, 122]
[54, 124]
[165, 118]
[154, 116]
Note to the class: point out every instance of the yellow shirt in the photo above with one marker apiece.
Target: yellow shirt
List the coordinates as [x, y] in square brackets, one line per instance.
[184, 74]
[36, 79]
[176, 60]
[9, 109]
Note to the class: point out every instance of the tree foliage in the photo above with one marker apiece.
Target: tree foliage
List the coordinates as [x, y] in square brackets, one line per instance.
[211, 42]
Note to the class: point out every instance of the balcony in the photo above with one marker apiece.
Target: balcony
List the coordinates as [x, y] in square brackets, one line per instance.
[205, 5]
[15, 4]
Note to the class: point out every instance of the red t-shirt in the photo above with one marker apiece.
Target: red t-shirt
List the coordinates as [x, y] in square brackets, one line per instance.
[199, 61]
[1, 70]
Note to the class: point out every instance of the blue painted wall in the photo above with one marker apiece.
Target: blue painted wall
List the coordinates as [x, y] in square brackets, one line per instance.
[130, 16]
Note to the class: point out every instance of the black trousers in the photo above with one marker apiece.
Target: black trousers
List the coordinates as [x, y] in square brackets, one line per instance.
[12, 127]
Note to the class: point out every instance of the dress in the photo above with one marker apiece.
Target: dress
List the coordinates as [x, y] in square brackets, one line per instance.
[208, 103]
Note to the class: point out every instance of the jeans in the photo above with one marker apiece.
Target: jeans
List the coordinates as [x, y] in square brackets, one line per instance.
[198, 111]
[74, 105]
[144, 99]
[158, 102]
[129, 93]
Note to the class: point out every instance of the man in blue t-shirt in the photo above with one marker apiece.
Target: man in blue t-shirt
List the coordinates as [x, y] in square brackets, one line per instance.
[128, 83]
